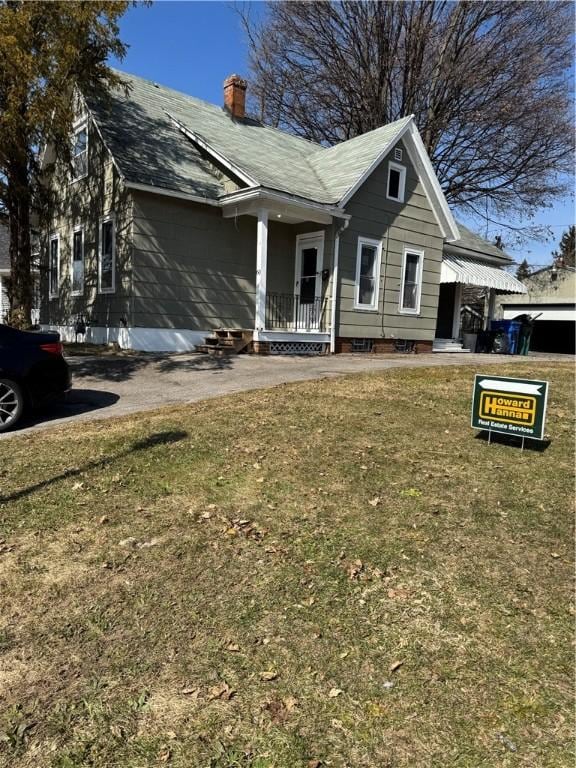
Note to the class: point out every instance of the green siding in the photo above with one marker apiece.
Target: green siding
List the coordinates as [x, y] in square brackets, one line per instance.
[194, 269]
[84, 202]
[397, 225]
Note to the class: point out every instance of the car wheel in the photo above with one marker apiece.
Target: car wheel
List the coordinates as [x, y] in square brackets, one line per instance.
[11, 403]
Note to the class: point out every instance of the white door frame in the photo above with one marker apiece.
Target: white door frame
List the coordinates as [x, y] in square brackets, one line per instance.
[306, 240]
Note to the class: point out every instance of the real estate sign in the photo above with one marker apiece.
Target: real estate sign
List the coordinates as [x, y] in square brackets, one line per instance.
[512, 406]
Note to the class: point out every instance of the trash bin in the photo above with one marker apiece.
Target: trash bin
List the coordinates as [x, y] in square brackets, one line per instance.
[485, 341]
[526, 328]
[506, 339]
[469, 341]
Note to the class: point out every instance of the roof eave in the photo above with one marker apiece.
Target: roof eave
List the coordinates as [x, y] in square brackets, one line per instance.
[458, 250]
[273, 195]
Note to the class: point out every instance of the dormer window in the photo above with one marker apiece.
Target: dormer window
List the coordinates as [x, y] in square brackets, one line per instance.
[396, 182]
[80, 151]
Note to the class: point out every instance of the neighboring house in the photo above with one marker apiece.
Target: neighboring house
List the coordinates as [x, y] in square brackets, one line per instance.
[551, 295]
[178, 218]
[5, 277]
[4, 270]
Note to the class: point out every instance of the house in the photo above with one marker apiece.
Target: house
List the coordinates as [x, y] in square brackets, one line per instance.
[4, 270]
[5, 277]
[178, 218]
[551, 298]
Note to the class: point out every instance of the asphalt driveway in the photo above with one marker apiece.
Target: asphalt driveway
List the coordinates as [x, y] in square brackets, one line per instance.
[114, 385]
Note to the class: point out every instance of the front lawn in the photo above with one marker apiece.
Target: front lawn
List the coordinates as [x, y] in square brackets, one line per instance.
[334, 573]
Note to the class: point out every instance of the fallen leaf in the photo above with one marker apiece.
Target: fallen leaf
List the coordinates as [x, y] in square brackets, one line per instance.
[555, 555]
[396, 665]
[375, 501]
[268, 676]
[233, 648]
[191, 692]
[333, 692]
[103, 519]
[314, 764]
[77, 486]
[221, 691]
[344, 654]
[355, 569]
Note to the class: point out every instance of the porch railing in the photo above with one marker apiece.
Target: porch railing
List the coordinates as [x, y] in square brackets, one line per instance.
[288, 312]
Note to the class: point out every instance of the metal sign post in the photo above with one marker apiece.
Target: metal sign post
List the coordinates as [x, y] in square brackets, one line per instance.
[509, 406]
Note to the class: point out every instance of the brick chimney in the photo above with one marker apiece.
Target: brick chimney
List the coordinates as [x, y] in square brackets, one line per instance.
[235, 96]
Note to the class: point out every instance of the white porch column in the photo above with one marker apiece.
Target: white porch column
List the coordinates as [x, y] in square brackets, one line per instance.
[491, 307]
[261, 264]
[456, 316]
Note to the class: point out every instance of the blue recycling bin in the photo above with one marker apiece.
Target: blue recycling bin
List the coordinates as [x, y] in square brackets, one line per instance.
[507, 334]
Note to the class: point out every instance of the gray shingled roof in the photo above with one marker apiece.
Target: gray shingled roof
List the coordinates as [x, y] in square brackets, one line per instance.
[472, 243]
[149, 149]
[4, 246]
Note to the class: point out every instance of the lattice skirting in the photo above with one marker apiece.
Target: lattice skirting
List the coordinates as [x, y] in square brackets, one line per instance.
[297, 347]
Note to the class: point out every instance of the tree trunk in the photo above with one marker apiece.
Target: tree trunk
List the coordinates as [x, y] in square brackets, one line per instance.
[21, 283]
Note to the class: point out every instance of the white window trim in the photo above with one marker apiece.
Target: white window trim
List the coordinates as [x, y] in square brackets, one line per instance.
[110, 217]
[375, 304]
[51, 293]
[79, 228]
[79, 125]
[402, 183]
[406, 310]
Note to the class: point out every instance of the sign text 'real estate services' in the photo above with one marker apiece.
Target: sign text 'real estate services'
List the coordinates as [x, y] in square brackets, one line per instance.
[511, 406]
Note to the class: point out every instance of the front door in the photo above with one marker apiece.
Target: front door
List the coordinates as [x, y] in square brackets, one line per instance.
[308, 283]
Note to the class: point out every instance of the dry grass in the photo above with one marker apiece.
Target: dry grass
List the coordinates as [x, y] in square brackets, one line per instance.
[406, 587]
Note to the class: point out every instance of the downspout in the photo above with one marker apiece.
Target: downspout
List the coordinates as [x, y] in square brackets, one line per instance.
[335, 286]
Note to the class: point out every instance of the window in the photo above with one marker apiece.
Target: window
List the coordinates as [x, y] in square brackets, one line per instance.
[78, 262]
[80, 152]
[396, 182]
[367, 274]
[411, 281]
[54, 267]
[106, 257]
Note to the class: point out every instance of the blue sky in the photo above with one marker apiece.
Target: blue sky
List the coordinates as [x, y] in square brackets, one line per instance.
[194, 46]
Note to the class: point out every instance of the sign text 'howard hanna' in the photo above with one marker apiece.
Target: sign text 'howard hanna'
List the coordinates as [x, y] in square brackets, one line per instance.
[511, 406]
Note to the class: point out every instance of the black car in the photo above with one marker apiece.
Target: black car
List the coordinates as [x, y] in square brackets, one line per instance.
[33, 372]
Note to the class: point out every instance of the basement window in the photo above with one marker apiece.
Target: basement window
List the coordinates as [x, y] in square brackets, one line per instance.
[361, 345]
[396, 182]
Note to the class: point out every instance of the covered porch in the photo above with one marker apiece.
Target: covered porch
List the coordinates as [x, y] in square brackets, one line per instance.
[457, 274]
[296, 262]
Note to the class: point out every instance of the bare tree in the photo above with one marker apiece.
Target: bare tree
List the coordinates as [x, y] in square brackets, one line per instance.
[489, 84]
